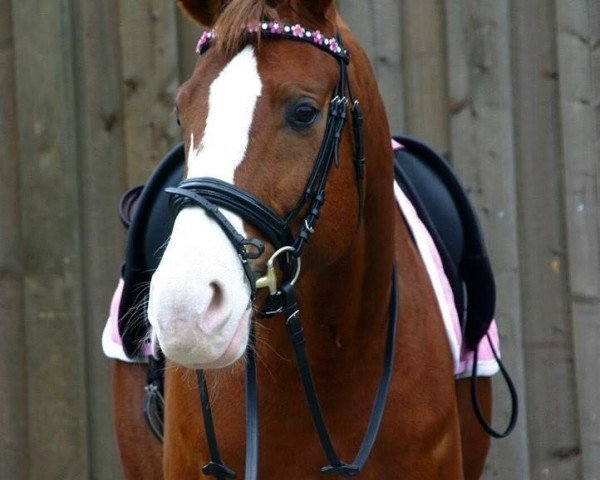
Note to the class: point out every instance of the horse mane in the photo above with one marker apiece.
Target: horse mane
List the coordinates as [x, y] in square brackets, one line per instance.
[235, 17]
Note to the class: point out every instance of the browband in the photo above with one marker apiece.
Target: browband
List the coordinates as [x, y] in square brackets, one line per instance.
[274, 29]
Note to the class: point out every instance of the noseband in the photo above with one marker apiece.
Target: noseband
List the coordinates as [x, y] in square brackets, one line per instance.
[211, 194]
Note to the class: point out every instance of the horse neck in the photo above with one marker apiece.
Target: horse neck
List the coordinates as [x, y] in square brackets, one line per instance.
[345, 305]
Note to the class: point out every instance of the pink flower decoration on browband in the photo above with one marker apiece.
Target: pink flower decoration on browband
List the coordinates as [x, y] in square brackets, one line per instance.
[275, 28]
[298, 31]
[333, 45]
[205, 39]
[253, 27]
[318, 37]
[278, 30]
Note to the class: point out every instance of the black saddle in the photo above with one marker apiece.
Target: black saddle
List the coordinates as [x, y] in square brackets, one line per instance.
[444, 207]
[145, 211]
[424, 176]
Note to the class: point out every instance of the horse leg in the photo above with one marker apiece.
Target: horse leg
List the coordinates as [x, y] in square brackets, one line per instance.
[139, 449]
[474, 440]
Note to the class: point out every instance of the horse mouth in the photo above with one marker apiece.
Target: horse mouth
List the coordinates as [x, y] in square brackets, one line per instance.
[190, 353]
[236, 347]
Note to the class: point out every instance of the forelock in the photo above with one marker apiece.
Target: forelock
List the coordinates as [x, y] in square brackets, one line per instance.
[231, 24]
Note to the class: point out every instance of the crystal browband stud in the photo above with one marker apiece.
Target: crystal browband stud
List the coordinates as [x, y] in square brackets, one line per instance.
[274, 29]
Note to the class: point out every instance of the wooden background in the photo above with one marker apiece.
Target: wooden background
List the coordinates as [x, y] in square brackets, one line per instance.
[509, 90]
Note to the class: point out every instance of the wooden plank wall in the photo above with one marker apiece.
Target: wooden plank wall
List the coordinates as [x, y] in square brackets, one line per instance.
[508, 90]
[101, 179]
[52, 288]
[577, 43]
[482, 150]
[13, 388]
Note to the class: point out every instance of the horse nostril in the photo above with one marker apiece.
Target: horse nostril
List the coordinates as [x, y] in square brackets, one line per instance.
[215, 312]
[216, 300]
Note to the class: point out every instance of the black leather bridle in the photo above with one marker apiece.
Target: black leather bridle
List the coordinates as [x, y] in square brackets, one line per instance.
[211, 194]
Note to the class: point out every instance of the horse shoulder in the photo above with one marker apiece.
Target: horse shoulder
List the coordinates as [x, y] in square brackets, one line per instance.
[423, 418]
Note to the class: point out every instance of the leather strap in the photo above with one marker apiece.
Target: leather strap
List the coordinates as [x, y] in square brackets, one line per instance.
[252, 428]
[514, 398]
[154, 402]
[336, 466]
[244, 204]
[220, 471]
[217, 193]
[215, 468]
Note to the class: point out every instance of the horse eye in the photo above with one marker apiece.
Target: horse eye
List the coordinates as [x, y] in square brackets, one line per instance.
[305, 114]
[302, 116]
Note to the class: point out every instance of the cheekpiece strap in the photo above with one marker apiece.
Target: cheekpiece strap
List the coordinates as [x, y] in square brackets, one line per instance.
[274, 29]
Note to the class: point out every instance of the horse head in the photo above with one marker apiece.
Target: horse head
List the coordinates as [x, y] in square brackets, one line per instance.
[256, 114]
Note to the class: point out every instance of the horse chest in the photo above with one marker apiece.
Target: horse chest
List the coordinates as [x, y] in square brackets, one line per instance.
[289, 447]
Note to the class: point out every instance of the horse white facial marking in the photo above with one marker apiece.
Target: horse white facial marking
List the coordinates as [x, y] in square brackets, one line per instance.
[199, 295]
[231, 106]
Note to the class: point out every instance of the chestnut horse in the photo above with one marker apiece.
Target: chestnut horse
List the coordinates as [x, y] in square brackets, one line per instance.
[254, 114]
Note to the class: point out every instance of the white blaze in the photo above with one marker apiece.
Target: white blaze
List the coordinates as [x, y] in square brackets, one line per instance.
[199, 296]
[231, 106]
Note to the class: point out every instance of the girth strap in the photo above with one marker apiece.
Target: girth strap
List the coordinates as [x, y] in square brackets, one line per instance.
[154, 402]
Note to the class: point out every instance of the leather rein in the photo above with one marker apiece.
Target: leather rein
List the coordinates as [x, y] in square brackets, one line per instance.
[212, 194]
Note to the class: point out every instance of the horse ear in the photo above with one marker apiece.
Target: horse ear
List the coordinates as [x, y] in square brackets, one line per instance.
[203, 11]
